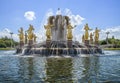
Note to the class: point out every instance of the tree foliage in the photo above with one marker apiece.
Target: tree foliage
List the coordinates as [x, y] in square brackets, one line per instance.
[7, 42]
[112, 41]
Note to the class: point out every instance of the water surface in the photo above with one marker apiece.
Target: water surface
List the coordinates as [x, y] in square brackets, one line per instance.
[103, 68]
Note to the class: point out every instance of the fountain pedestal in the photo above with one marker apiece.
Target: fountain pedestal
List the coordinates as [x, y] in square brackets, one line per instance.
[69, 43]
[86, 42]
[48, 42]
[30, 42]
[19, 49]
[21, 43]
[91, 41]
[96, 43]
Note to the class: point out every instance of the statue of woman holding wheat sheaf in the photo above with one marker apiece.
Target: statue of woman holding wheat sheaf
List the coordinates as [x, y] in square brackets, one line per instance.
[96, 37]
[30, 32]
[21, 34]
[86, 35]
[48, 30]
[69, 32]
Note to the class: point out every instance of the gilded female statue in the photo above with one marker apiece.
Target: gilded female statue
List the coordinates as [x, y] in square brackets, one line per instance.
[86, 28]
[48, 30]
[83, 39]
[69, 32]
[30, 32]
[91, 38]
[96, 37]
[21, 35]
[35, 38]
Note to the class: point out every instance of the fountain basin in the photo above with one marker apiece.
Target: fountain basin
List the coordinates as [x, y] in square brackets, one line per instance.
[59, 48]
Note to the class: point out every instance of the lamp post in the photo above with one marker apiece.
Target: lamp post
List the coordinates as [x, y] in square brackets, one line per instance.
[11, 33]
[107, 36]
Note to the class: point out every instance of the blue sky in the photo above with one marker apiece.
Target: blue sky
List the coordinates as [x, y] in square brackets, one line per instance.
[97, 13]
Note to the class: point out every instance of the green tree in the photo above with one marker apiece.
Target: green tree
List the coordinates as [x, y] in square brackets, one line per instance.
[6, 42]
[2, 45]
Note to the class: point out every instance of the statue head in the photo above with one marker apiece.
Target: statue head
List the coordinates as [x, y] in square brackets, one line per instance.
[86, 24]
[91, 34]
[21, 30]
[31, 27]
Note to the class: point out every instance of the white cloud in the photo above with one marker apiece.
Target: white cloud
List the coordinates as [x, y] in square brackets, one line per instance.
[114, 31]
[30, 15]
[49, 13]
[40, 37]
[6, 32]
[75, 19]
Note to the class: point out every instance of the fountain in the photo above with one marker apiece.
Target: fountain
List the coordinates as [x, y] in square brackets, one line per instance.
[59, 40]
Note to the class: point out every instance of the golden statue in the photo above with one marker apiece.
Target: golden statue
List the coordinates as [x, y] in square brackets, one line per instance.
[30, 32]
[83, 39]
[91, 38]
[21, 35]
[86, 35]
[48, 30]
[96, 37]
[35, 38]
[69, 32]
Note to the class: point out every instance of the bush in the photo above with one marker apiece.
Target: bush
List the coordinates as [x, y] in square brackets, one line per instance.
[103, 42]
[2, 45]
[6, 42]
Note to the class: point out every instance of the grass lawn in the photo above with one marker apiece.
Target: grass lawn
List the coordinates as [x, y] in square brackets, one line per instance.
[111, 48]
[7, 48]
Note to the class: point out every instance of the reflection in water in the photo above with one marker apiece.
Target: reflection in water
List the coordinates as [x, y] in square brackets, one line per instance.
[31, 70]
[59, 70]
[91, 66]
[86, 69]
[26, 69]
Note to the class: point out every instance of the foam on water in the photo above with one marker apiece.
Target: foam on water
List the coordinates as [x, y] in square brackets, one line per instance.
[9, 52]
[112, 53]
[63, 56]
